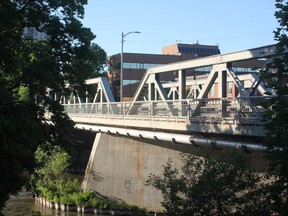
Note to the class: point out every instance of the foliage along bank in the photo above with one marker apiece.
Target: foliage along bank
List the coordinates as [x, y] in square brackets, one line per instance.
[55, 188]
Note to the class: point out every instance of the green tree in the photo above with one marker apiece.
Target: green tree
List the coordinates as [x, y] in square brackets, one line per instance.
[276, 115]
[50, 172]
[52, 162]
[210, 187]
[28, 68]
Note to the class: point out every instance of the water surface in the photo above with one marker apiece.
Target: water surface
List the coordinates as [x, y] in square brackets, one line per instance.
[23, 204]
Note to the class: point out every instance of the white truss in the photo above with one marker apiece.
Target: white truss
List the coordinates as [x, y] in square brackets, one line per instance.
[102, 93]
[151, 87]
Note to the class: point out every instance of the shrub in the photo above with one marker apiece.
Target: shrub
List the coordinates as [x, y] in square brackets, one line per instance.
[67, 199]
[42, 191]
[102, 204]
[84, 198]
[67, 185]
[49, 195]
[56, 199]
[94, 203]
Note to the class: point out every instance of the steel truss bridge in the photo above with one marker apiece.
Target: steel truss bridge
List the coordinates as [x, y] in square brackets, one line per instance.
[165, 111]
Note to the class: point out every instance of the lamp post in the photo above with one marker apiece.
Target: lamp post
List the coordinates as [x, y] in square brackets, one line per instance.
[121, 72]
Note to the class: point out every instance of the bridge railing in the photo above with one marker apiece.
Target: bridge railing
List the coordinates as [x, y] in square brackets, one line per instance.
[154, 109]
[243, 110]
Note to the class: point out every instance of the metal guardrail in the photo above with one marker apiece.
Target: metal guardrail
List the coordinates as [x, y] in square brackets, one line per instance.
[243, 110]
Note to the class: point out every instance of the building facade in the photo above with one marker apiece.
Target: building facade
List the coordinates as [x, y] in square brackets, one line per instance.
[33, 33]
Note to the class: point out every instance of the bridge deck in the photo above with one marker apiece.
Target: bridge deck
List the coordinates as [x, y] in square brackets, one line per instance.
[230, 116]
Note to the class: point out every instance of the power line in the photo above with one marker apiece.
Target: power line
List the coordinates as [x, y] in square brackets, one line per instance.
[202, 39]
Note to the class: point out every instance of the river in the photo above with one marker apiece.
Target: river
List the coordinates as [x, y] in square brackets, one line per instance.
[23, 204]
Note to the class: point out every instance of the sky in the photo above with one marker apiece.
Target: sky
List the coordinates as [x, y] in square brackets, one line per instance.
[233, 25]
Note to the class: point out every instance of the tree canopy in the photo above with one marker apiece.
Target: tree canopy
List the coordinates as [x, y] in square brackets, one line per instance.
[210, 187]
[276, 114]
[28, 67]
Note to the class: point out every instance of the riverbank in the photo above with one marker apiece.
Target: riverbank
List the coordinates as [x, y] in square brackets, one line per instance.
[81, 209]
[24, 204]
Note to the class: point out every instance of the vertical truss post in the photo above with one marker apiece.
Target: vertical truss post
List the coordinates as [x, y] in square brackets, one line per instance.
[222, 87]
[151, 91]
[182, 84]
[101, 95]
[182, 90]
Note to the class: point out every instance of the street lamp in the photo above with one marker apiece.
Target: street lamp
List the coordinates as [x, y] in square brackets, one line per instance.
[121, 72]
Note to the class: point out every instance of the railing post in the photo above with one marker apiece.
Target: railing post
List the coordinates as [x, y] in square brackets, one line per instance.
[86, 102]
[123, 108]
[224, 107]
[151, 109]
[74, 105]
[188, 110]
[183, 107]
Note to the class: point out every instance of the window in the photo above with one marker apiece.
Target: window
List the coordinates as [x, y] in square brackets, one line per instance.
[212, 90]
[230, 88]
[130, 82]
[204, 69]
[242, 69]
[133, 65]
[126, 65]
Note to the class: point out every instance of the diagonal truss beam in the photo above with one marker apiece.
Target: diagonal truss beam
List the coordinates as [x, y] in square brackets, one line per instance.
[206, 88]
[103, 92]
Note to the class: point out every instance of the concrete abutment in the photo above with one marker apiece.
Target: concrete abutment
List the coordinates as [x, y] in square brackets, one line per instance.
[119, 166]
